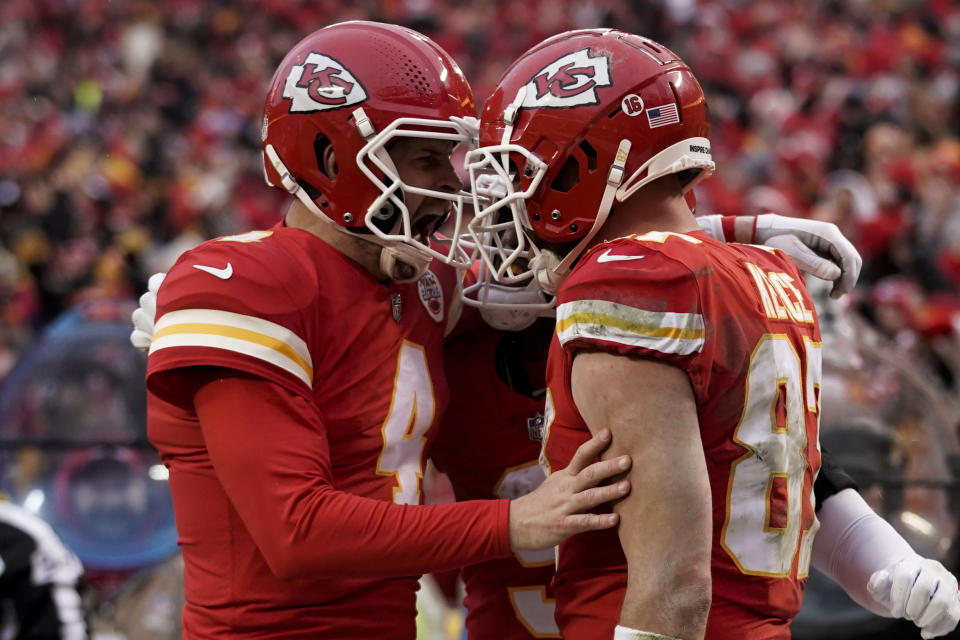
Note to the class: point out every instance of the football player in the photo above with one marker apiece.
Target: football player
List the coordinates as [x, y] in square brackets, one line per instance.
[702, 358]
[295, 376]
[489, 440]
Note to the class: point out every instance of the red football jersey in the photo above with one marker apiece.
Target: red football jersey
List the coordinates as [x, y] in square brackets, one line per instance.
[365, 357]
[738, 320]
[488, 445]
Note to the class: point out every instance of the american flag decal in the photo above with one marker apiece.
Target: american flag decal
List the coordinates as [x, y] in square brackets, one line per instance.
[663, 115]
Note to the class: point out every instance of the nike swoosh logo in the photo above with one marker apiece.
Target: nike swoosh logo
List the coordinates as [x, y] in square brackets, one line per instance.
[606, 257]
[223, 274]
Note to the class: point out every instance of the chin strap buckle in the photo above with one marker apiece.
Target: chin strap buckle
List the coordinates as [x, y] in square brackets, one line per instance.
[285, 178]
[364, 126]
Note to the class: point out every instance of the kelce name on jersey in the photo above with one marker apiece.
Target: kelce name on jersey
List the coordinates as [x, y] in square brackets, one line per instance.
[781, 299]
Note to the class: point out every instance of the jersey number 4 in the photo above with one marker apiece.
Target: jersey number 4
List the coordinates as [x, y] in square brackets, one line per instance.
[412, 408]
[765, 524]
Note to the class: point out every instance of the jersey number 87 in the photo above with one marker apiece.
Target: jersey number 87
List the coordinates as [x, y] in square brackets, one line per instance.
[764, 527]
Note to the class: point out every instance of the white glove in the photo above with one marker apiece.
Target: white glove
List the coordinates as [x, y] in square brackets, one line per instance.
[818, 248]
[470, 126]
[491, 186]
[804, 257]
[879, 570]
[144, 316]
[920, 590]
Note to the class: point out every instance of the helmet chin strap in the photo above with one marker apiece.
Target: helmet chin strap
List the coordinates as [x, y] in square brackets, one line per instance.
[398, 261]
[547, 267]
[514, 309]
[403, 263]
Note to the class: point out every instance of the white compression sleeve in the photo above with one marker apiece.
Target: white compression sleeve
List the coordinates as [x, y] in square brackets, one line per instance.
[712, 225]
[853, 542]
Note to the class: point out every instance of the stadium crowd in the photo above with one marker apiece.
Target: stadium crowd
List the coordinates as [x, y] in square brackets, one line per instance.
[129, 131]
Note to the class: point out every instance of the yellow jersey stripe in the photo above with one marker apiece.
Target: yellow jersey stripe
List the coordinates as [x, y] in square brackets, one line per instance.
[651, 331]
[664, 331]
[249, 335]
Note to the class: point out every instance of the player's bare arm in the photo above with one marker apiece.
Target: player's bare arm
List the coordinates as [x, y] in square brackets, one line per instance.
[665, 523]
[559, 507]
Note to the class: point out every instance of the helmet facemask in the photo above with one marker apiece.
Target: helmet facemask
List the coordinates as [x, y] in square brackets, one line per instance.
[377, 165]
[500, 228]
[506, 292]
[515, 300]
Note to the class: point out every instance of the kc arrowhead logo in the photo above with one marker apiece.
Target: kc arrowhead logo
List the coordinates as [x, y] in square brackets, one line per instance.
[570, 81]
[321, 83]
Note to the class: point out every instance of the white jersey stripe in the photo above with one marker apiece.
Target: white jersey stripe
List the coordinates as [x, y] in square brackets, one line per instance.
[664, 331]
[248, 335]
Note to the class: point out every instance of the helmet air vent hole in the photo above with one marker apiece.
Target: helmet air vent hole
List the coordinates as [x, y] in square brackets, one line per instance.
[676, 97]
[568, 176]
[591, 155]
[652, 47]
[406, 68]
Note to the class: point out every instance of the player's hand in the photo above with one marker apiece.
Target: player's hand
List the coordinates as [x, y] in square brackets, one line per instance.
[817, 247]
[559, 507]
[920, 590]
[491, 186]
[144, 316]
[470, 126]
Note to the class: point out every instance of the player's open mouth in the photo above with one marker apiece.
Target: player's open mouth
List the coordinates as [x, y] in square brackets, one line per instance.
[426, 225]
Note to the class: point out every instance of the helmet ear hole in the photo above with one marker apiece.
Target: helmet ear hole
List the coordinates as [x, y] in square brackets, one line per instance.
[326, 159]
[568, 176]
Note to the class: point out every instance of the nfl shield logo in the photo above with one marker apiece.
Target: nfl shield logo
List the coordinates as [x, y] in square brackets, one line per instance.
[396, 306]
[535, 427]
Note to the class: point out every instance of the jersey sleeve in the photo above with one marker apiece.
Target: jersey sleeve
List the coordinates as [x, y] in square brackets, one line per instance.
[270, 451]
[630, 298]
[239, 306]
[832, 479]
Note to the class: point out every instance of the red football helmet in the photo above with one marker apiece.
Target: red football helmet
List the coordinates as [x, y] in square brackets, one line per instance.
[582, 119]
[355, 87]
